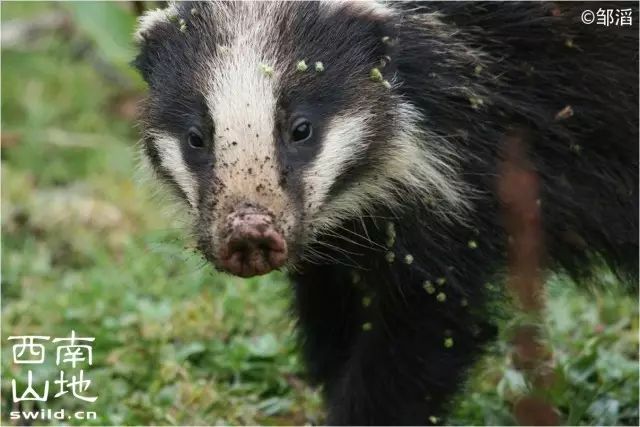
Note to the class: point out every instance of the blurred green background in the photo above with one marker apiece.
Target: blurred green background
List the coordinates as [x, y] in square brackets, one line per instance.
[86, 247]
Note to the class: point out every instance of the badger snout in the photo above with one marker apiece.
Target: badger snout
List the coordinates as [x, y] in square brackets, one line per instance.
[252, 244]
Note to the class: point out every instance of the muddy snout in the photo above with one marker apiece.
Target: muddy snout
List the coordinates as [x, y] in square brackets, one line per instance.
[252, 244]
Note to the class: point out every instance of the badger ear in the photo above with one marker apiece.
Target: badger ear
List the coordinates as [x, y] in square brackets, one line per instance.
[152, 27]
[377, 18]
[378, 21]
[151, 19]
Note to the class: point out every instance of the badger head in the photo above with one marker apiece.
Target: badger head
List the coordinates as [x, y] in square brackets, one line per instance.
[276, 122]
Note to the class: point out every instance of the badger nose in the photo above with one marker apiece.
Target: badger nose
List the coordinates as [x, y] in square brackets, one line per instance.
[252, 245]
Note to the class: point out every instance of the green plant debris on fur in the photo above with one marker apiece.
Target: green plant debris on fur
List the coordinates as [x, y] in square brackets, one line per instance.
[476, 102]
[355, 277]
[376, 75]
[301, 66]
[429, 288]
[267, 70]
[366, 301]
[391, 234]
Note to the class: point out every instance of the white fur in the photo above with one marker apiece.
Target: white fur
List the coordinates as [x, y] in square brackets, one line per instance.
[419, 160]
[344, 142]
[170, 206]
[151, 18]
[242, 99]
[367, 9]
[171, 159]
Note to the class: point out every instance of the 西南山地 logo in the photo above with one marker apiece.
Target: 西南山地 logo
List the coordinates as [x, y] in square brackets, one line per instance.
[70, 352]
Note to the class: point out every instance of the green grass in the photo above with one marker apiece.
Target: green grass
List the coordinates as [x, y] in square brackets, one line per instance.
[85, 248]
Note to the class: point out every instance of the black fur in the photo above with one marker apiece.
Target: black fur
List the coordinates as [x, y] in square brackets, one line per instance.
[391, 339]
[399, 371]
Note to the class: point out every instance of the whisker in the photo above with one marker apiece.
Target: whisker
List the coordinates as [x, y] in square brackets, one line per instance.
[366, 239]
[346, 239]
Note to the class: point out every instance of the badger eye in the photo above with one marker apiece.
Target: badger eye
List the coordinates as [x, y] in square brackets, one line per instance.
[301, 130]
[195, 138]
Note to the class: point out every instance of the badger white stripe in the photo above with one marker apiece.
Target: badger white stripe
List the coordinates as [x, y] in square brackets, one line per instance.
[344, 141]
[172, 161]
[241, 95]
[422, 162]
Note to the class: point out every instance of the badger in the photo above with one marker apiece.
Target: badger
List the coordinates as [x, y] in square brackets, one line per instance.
[357, 145]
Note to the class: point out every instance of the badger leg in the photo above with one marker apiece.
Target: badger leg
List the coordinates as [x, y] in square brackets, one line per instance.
[324, 302]
[395, 361]
[396, 377]
[391, 338]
